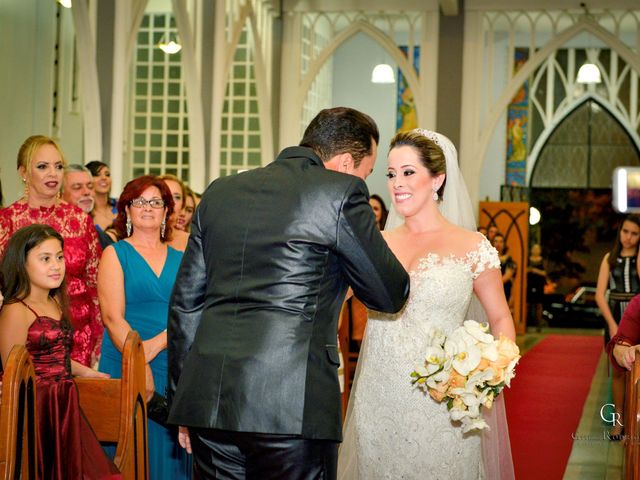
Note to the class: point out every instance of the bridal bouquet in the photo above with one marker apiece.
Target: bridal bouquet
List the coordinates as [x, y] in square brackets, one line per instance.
[468, 369]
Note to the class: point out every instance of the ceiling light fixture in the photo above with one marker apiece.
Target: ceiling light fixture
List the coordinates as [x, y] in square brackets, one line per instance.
[589, 73]
[383, 73]
[169, 47]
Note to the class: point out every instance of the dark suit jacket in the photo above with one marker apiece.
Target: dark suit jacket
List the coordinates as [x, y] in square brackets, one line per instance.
[254, 312]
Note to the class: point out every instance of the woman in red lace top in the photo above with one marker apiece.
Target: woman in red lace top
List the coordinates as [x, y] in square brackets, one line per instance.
[41, 168]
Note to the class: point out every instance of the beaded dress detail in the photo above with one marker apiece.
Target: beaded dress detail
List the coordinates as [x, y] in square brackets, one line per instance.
[395, 430]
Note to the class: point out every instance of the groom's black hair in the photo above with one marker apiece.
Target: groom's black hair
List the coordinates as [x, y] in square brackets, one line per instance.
[341, 130]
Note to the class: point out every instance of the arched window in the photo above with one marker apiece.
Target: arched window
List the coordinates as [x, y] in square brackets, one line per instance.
[583, 150]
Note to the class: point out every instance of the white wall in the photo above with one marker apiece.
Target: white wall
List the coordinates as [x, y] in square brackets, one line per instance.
[27, 36]
[353, 62]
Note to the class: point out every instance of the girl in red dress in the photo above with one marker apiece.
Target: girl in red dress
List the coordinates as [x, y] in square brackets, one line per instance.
[34, 314]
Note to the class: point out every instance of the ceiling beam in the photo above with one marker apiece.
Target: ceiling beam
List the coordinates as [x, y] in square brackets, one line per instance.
[449, 7]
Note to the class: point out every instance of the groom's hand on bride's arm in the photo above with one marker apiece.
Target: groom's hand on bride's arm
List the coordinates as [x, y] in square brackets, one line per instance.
[183, 438]
[374, 273]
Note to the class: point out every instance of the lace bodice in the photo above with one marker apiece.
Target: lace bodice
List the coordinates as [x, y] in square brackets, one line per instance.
[396, 430]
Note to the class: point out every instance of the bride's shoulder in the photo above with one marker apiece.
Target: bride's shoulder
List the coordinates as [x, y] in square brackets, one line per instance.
[468, 240]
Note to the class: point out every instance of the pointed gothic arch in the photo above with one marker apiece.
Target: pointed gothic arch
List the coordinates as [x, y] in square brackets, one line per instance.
[478, 144]
[566, 112]
[381, 39]
[590, 161]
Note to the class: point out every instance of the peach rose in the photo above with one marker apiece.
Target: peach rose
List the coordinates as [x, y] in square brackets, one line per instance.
[482, 366]
[437, 394]
[507, 351]
[456, 380]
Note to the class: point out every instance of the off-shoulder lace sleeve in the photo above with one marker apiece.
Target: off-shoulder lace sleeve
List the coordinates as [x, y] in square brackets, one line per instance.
[484, 258]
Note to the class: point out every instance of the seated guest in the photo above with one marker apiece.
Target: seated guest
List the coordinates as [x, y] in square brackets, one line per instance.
[78, 189]
[35, 315]
[104, 211]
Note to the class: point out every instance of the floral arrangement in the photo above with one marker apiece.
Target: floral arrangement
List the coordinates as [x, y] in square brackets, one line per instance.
[468, 369]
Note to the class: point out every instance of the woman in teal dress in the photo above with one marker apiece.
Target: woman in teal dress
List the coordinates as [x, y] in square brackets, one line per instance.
[135, 280]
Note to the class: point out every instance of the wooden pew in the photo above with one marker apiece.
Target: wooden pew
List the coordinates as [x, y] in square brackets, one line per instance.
[18, 429]
[631, 421]
[117, 411]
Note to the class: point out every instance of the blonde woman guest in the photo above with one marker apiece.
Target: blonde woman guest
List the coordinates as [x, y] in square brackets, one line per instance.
[41, 167]
[186, 214]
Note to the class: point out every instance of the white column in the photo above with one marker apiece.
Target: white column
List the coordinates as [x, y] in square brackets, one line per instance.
[88, 72]
[194, 97]
[470, 164]
[219, 82]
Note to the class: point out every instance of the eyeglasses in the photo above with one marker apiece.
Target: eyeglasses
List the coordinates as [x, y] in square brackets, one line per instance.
[143, 202]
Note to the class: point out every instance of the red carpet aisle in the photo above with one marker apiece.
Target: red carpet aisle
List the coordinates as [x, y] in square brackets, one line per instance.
[544, 403]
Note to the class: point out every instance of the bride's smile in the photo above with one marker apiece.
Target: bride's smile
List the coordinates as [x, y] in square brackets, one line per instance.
[410, 183]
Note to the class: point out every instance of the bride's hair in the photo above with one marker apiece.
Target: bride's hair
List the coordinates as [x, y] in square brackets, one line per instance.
[430, 154]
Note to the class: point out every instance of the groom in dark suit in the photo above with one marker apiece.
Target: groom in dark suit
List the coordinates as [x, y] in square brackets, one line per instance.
[253, 319]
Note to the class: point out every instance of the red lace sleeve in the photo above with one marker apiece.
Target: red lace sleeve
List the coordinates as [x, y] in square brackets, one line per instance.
[6, 230]
[95, 252]
[628, 329]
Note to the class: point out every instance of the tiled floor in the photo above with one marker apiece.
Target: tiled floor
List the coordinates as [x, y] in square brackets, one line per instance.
[593, 456]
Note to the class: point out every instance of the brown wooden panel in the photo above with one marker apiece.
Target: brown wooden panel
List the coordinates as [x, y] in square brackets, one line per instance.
[100, 402]
[117, 411]
[18, 426]
[512, 220]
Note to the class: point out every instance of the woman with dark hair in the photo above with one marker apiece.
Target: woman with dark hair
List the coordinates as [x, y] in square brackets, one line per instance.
[619, 275]
[507, 266]
[35, 315]
[135, 280]
[104, 210]
[379, 210]
[41, 167]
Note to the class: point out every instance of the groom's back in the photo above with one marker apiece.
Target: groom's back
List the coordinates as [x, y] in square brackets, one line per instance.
[266, 343]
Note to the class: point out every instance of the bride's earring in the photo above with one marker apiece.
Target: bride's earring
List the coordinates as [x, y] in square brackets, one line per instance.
[435, 195]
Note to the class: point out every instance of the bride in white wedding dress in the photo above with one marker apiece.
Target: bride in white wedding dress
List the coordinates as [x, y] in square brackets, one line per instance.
[393, 430]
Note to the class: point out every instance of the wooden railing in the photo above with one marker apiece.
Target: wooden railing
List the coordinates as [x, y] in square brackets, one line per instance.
[117, 411]
[18, 428]
[631, 421]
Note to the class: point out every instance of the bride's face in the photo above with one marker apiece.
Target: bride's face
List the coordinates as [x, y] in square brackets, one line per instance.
[410, 183]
